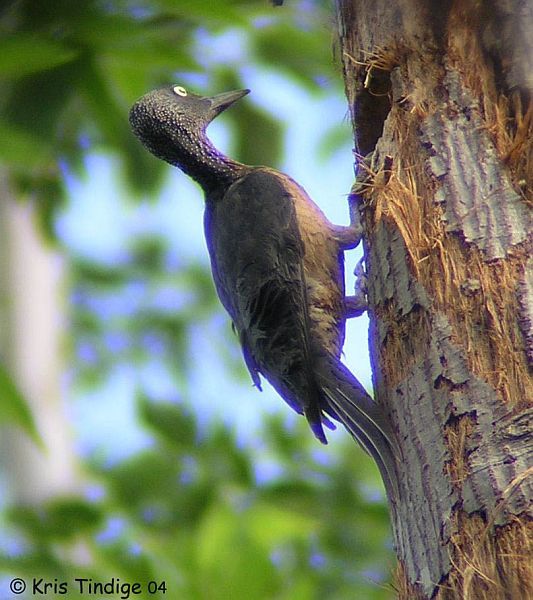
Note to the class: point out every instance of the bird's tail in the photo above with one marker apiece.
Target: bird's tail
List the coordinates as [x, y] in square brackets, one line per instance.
[347, 401]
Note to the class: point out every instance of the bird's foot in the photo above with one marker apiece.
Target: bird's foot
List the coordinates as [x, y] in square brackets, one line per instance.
[350, 236]
[356, 305]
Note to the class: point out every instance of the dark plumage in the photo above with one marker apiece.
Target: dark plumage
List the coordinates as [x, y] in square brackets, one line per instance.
[277, 264]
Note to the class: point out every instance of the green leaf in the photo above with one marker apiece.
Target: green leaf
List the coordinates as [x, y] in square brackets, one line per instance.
[232, 564]
[259, 136]
[214, 13]
[143, 171]
[145, 477]
[14, 409]
[36, 103]
[20, 149]
[334, 139]
[227, 462]
[298, 53]
[67, 517]
[24, 54]
[59, 518]
[169, 421]
[272, 526]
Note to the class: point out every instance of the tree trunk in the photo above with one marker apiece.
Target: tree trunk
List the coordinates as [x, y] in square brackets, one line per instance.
[32, 320]
[440, 93]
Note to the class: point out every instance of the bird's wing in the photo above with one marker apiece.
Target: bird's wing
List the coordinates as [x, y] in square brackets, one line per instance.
[257, 259]
[249, 361]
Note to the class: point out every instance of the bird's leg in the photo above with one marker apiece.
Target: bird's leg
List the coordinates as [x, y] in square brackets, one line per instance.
[350, 236]
[347, 237]
[355, 306]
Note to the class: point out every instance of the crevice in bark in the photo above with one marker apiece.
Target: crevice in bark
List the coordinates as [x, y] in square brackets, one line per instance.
[525, 313]
[371, 110]
[457, 432]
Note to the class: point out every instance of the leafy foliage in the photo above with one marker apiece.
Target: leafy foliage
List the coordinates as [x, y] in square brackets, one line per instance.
[13, 407]
[193, 511]
[70, 73]
[110, 316]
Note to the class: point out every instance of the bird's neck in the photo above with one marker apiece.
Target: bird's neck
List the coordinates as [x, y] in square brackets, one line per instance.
[212, 169]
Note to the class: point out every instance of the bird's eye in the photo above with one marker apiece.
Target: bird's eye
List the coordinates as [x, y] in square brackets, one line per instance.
[179, 90]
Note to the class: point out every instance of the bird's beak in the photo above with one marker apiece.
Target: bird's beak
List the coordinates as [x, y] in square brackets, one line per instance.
[222, 101]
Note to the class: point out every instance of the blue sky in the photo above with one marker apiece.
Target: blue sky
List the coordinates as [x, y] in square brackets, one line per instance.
[101, 219]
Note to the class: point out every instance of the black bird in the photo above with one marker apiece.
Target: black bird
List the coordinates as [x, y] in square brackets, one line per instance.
[277, 265]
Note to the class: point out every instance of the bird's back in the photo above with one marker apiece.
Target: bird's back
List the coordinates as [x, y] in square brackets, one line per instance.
[279, 281]
[264, 226]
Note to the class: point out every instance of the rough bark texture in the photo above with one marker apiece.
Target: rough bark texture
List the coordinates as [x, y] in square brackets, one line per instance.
[440, 93]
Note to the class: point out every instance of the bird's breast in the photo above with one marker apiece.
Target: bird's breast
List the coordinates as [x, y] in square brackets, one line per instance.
[323, 269]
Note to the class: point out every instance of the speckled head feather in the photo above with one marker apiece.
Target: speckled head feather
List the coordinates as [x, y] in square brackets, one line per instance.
[171, 123]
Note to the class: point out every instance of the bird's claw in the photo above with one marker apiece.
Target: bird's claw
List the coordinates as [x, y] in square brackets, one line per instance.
[356, 305]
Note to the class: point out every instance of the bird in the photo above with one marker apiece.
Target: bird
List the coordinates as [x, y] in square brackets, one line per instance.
[278, 269]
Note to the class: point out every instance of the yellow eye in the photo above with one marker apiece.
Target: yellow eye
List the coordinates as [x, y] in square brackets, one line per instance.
[179, 90]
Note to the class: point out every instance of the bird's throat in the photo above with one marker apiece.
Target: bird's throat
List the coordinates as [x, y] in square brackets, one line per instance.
[201, 161]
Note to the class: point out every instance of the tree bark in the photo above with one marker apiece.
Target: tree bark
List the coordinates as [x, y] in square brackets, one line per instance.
[440, 94]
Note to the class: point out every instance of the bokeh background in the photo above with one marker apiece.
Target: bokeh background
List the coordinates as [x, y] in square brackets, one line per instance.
[132, 443]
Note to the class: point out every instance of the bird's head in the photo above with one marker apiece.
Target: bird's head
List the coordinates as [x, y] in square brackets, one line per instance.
[171, 121]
